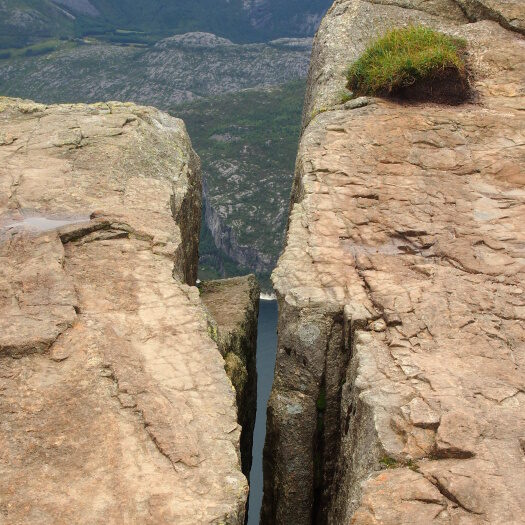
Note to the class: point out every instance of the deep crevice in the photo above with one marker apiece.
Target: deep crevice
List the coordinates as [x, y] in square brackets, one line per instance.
[319, 453]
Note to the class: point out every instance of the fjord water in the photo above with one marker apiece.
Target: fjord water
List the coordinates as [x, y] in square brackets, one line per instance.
[266, 350]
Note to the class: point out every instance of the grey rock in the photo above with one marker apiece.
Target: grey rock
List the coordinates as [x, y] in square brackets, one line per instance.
[358, 102]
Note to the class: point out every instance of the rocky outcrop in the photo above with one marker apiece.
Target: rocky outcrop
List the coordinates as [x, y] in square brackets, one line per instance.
[234, 308]
[115, 406]
[399, 392]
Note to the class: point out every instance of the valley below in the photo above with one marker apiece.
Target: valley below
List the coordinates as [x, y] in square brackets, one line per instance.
[241, 103]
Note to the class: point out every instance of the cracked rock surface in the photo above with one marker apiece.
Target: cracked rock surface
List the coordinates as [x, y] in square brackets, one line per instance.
[399, 395]
[115, 406]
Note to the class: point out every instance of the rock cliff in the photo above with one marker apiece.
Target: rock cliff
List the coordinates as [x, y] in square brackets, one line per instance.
[234, 308]
[115, 405]
[399, 395]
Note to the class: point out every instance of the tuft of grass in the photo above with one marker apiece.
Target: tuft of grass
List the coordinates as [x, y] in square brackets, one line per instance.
[404, 57]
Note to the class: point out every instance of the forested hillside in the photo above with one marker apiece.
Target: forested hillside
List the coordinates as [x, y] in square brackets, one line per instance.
[246, 142]
[25, 22]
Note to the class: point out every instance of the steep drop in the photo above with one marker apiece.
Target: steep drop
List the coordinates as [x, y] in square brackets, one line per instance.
[401, 343]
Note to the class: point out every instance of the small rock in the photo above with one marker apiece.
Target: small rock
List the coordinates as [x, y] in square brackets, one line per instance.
[6, 139]
[358, 102]
[457, 435]
[420, 414]
[379, 325]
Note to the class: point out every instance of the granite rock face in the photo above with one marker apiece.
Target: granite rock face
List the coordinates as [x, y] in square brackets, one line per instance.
[115, 406]
[399, 395]
[234, 308]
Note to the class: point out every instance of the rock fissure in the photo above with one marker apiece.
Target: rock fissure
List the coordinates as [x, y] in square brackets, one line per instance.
[447, 494]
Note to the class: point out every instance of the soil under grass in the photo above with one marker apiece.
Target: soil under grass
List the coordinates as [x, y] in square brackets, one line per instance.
[413, 63]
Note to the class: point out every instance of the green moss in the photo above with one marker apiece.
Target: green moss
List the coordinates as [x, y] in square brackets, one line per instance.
[389, 462]
[404, 57]
[236, 371]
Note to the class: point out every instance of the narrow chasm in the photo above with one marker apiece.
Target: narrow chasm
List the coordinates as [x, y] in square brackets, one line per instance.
[266, 350]
[233, 305]
[245, 329]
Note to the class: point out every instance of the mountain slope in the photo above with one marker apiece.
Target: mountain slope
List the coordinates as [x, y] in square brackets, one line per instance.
[246, 142]
[174, 70]
[23, 22]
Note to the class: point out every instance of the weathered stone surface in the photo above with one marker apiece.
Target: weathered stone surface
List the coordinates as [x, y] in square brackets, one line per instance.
[234, 308]
[401, 333]
[509, 13]
[115, 407]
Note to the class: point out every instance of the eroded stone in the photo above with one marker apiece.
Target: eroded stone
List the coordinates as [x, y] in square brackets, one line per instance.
[117, 408]
[413, 213]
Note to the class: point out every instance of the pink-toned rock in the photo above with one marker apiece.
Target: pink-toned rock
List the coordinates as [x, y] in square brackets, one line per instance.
[420, 414]
[412, 214]
[115, 407]
[405, 497]
[457, 435]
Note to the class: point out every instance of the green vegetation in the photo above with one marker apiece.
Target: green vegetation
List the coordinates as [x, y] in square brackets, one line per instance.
[390, 463]
[25, 22]
[412, 465]
[43, 47]
[247, 142]
[346, 96]
[402, 58]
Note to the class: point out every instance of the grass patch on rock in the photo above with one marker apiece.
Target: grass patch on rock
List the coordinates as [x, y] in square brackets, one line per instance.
[413, 62]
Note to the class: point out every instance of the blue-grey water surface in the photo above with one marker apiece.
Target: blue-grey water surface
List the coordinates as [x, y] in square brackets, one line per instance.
[266, 350]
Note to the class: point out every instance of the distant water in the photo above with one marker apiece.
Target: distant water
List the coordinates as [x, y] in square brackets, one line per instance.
[266, 350]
